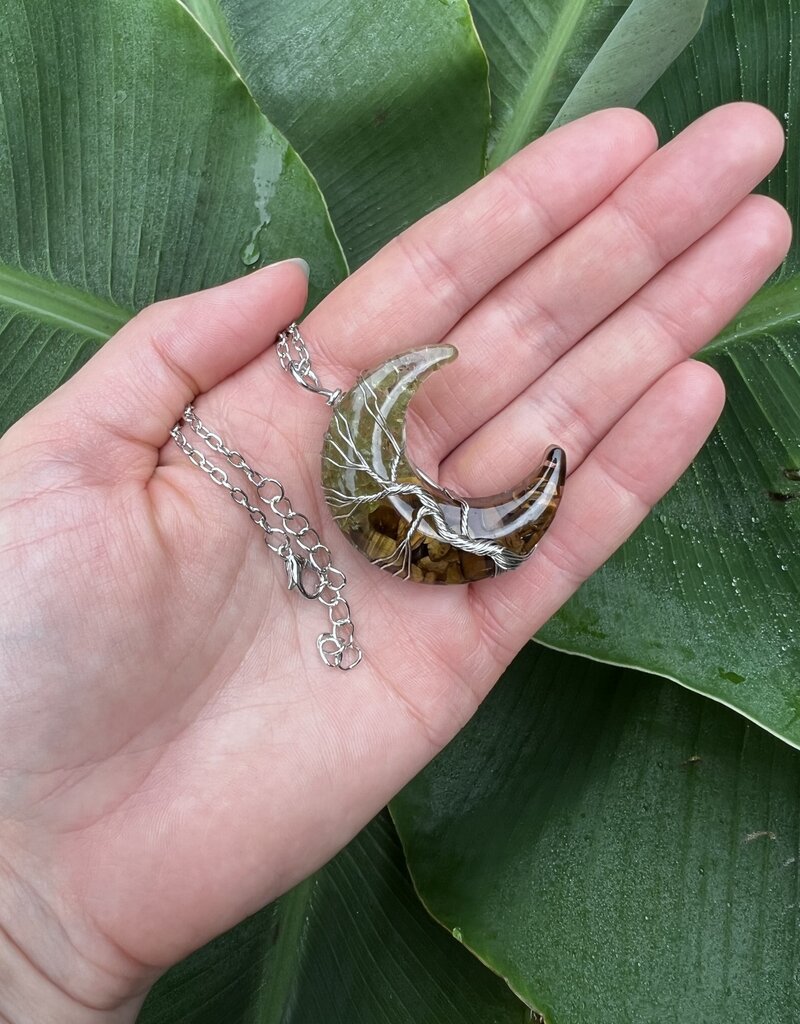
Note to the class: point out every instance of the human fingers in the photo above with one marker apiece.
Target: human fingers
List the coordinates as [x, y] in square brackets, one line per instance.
[133, 390]
[604, 502]
[577, 401]
[415, 289]
[552, 302]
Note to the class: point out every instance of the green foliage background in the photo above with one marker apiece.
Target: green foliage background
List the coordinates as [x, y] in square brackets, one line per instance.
[613, 846]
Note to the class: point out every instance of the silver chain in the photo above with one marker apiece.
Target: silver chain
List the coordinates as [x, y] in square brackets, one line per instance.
[307, 561]
[294, 358]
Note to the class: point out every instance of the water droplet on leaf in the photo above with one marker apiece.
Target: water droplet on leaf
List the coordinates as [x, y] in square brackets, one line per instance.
[250, 253]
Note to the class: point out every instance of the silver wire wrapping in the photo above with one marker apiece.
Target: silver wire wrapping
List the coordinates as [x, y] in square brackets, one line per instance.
[290, 536]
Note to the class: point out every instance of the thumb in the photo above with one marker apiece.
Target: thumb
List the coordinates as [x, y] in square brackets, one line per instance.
[136, 386]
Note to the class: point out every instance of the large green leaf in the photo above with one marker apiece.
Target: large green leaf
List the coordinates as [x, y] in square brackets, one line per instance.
[554, 60]
[617, 847]
[642, 45]
[708, 591]
[351, 945]
[387, 102]
[134, 165]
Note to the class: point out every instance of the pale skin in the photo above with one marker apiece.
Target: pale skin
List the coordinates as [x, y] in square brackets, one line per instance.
[174, 754]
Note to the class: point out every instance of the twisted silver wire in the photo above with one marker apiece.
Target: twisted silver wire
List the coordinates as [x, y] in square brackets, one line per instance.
[504, 558]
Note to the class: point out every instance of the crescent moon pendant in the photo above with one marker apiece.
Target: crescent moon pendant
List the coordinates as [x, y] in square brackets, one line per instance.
[400, 519]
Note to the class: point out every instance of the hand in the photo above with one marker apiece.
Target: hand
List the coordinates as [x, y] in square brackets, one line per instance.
[174, 753]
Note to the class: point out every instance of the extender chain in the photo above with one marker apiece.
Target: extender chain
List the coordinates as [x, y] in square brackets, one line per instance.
[307, 561]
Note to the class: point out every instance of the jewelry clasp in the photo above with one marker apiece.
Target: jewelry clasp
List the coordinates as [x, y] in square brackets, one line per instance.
[295, 568]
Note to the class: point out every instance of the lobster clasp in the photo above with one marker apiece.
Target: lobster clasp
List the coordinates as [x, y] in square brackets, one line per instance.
[295, 567]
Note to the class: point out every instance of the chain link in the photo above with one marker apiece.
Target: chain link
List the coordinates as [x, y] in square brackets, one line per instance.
[307, 561]
[294, 358]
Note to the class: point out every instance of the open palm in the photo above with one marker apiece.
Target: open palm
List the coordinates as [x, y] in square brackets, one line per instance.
[174, 752]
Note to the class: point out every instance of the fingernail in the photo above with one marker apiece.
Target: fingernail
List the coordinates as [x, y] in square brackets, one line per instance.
[299, 261]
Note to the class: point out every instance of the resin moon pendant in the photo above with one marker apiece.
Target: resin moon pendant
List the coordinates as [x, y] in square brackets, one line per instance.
[399, 518]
